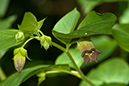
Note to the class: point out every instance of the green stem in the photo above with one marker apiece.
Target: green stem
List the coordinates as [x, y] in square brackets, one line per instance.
[59, 47]
[41, 32]
[72, 60]
[27, 42]
[78, 69]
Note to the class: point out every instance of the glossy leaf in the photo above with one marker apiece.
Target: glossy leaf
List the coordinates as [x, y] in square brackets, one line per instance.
[7, 39]
[109, 72]
[17, 78]
[66, 24]
[29, 23]
[3, 7]
[121, 35]
[6, 23]
[93, 24]
[64, 59]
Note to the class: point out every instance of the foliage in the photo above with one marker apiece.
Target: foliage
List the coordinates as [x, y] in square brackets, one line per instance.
[100, 29]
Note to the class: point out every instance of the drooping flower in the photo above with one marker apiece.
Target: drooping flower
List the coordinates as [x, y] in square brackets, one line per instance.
[45, 41]
[19, 58]
[89, 53]
[19, 61]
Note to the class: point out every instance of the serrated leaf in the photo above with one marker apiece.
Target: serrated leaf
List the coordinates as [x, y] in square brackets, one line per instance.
[112, 71]
[93, 24]
[121, 35]
[29, 23]
[7, 39]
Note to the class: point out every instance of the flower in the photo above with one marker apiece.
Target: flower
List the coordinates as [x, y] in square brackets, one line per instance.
[89, 53]
[19, 58]
[19, 61]
[45, 41]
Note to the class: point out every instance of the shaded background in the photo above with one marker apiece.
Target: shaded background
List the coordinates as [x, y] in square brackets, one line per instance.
[53, 10]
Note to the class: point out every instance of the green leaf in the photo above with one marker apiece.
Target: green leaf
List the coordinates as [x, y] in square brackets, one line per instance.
[124, 17]
[40, 23]
[7, 39]
[2, 52]
[64, 59]
[56, 69]
[3, 7]
[88, 5]
[121, 35]
[112, 0]
[66, 24]
[17, 78]
[103, 43]
[93, 24]
[41, 78]
[6, 23]
[29, 23]
[112, 71]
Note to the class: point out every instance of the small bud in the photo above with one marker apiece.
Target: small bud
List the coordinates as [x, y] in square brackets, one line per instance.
[45, 41]
[89, 53]
[19, 61]
[19, 36]
[23, 51]
[16, 51]
[19, 58]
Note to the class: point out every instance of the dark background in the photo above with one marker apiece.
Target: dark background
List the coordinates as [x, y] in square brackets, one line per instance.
[53, 10]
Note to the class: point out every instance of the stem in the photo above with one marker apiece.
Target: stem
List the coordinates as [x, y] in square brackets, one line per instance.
[59, 47]
[72, 60]
[41, 32]
[27, 42]
[78, 69]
